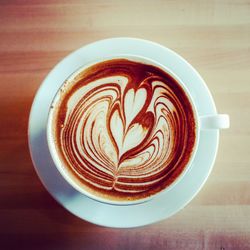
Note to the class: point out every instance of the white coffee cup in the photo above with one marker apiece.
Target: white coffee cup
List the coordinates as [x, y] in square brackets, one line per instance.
[218, 121]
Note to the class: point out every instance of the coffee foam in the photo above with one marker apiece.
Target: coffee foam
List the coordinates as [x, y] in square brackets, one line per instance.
[125, 130]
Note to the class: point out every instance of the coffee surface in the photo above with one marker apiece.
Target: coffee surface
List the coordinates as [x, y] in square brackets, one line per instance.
[124, 130]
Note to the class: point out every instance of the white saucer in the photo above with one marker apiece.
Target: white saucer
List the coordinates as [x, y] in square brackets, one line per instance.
[110, 215]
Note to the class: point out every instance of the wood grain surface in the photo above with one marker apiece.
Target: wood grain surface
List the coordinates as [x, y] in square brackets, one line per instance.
[214, 36]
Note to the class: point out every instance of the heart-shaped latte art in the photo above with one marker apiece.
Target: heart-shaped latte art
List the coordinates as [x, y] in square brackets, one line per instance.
[125, 129]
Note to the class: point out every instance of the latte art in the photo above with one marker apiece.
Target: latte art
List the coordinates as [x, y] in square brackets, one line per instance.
[124, 130]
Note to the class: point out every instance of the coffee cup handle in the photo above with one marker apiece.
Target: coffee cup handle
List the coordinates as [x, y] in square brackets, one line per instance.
[218, 121]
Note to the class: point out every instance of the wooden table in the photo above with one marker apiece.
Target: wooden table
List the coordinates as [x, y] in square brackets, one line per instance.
[213, 35]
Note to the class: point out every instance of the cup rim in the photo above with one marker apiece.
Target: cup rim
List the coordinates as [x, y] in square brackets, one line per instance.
[58, 162]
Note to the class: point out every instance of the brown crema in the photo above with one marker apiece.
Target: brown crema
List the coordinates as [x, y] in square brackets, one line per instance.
[124, 130]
